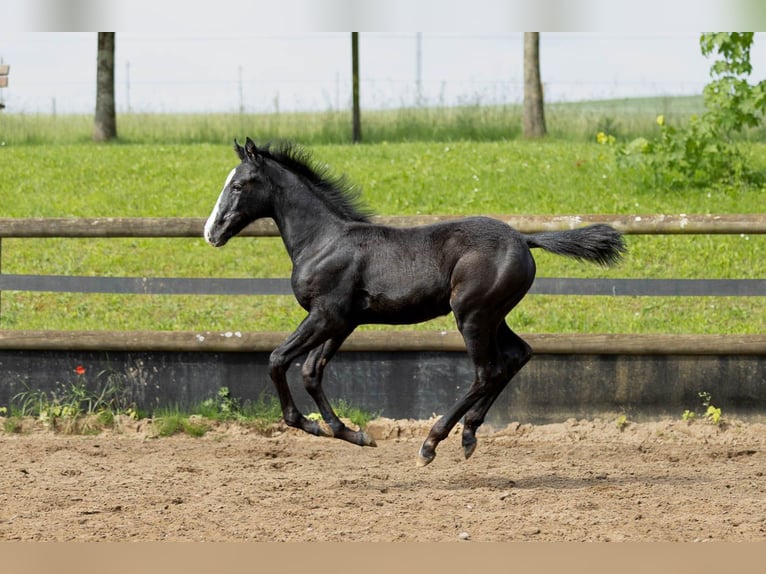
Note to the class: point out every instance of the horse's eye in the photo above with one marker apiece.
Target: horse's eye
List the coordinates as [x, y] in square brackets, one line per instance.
[236, 187]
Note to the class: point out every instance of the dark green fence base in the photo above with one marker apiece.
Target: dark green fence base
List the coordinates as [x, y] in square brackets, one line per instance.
[416, 384]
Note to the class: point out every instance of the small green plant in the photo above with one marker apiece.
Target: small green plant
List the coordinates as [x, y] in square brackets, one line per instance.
[81, 405]
[622, 422]
[166, 422]
[344, 410]
[711, 414]
[170, 421]
[12, 425]
[221, 407]
[356, 415]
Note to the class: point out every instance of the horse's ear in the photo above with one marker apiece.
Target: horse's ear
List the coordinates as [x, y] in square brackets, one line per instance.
[239, 149]
[251, 151]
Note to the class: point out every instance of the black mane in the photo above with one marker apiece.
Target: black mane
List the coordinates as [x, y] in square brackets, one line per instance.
[337, 192]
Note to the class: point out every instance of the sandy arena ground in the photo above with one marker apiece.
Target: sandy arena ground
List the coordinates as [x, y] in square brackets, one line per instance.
[574, 481]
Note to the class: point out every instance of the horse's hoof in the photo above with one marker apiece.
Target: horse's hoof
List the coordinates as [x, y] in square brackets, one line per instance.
[468, 449]
[425, 456]
[366, 440]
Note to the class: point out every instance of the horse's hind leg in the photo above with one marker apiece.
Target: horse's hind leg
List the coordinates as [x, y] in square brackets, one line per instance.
[481, 345]
[515, 353]
[312, 371]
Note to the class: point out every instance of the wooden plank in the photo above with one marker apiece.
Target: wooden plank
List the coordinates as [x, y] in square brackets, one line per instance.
[192, 226]
[391, 341]
[281, 286]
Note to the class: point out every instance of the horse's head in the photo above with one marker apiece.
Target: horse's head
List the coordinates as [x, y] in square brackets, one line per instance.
[244, 198]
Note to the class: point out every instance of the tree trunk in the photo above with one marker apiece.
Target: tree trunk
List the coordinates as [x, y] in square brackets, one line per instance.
[105, 125]
[357, 121]
[533, 122]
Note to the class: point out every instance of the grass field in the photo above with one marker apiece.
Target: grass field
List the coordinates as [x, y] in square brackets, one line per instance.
[578, 121]
[562, 175]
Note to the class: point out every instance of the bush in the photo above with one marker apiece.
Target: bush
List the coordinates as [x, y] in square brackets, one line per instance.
[705, 152]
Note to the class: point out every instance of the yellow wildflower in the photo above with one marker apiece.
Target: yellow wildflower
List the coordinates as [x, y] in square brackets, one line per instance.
[661, 120]
[604, 139]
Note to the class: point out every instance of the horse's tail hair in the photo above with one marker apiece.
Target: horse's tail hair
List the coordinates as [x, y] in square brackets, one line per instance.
[598, 243]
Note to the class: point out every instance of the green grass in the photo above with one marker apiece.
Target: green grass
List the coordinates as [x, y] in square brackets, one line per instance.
[555, 176]
[260, 414]
[576, 121]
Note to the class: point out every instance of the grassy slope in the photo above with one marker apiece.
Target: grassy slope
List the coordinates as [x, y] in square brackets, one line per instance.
[553, 177]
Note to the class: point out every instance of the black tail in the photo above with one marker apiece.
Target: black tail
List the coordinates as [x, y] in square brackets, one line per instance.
[598, 243]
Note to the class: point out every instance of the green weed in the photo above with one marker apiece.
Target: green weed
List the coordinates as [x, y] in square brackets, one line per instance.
[82, 405]
[622, 422]
[169, 421]
[345, 410]
[711, 413]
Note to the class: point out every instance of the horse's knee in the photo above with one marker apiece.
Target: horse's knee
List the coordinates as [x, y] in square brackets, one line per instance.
[277, 363]
[308, 370]
[312, 373]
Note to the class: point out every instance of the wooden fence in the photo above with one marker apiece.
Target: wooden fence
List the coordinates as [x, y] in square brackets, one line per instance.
[192, 227]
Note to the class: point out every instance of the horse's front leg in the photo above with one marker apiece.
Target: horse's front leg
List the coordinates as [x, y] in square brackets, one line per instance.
[311, 333]
[312, 370]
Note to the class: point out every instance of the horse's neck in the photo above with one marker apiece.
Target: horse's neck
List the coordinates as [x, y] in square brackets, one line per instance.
[303, 220]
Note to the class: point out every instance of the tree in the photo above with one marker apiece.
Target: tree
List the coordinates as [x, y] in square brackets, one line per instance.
[533, 121]
[356, 120]
[731, 101]
[105, 124]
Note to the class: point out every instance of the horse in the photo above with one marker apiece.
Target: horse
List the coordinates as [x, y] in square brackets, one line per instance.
[348, 271]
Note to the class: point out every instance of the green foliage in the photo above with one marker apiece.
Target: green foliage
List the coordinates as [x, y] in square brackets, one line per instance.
[706, 150]
[622, 422]
[345, 410]
[711, 413]
[732, 102]
[12, 425]
[224, 407]
[81, 405]
[221, 407]
[171, 420]
[696, 155]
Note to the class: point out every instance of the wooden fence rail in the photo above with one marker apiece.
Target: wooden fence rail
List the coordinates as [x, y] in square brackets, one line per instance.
[389, 341]
[192, 226]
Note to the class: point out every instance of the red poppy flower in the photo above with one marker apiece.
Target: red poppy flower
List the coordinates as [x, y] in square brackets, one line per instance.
[79, 369]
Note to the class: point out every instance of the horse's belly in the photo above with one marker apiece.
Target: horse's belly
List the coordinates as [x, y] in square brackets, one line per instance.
[403, 308]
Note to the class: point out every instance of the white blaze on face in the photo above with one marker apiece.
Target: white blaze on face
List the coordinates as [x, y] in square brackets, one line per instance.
[214, 215]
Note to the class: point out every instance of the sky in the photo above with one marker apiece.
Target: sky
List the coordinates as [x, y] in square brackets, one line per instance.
[177, 56]
[194, 72]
